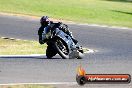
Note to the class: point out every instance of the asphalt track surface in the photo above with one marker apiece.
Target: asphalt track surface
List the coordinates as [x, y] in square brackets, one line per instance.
[113, 55]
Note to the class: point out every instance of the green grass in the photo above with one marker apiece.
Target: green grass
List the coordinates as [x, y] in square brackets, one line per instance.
[109, 12]
[20, 47]
[26, 86]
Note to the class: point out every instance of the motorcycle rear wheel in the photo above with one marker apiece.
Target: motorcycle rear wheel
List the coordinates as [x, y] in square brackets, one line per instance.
[50, 52]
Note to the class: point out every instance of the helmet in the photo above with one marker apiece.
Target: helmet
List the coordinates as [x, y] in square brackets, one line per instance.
[44, 20]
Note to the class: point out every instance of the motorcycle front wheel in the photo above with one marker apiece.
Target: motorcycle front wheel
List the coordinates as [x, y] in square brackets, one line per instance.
[62, 48]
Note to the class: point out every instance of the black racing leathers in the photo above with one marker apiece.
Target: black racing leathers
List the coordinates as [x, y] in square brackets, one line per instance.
[52, 25]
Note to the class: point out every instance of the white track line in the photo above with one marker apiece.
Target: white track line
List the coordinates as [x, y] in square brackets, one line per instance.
[103, 26]
[65, 21]
[90, 51]
[31, 55]
[45, 83]
[36, 55]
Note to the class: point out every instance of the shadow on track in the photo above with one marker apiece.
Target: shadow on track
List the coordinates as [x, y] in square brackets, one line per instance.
[30, 57]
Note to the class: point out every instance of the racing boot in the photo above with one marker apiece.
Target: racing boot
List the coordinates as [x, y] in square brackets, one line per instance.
[75, 41]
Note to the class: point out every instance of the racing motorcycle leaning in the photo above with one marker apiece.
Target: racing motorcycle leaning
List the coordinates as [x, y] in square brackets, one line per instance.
[60, 43]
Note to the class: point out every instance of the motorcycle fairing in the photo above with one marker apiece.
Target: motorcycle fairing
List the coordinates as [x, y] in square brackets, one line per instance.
[66, 38]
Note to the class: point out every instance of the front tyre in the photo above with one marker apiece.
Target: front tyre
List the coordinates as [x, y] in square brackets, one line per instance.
[62, 48]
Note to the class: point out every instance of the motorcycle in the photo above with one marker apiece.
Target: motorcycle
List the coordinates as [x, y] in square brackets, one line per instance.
[61, 43]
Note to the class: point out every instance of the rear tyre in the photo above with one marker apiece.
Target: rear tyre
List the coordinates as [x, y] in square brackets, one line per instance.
[50, 52]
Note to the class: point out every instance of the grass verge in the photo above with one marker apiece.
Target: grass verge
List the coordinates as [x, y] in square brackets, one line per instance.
[20, 47]
[109, 12]
[27, 86]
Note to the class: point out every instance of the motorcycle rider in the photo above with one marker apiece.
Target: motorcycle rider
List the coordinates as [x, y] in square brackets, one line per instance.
[46, 24]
